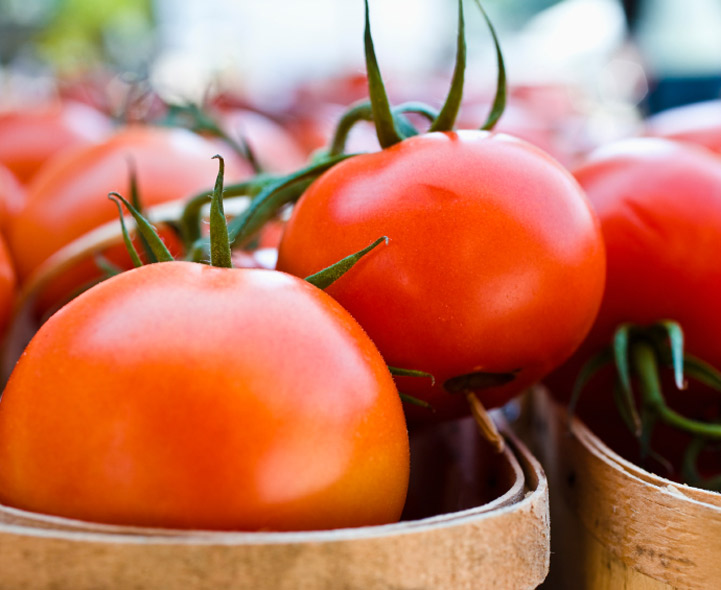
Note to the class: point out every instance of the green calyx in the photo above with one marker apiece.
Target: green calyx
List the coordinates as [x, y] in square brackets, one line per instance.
[391, 127]
[639, 354]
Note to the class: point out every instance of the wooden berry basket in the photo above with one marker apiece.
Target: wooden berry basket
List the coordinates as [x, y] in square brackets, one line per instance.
[616, 525]
[495, 536]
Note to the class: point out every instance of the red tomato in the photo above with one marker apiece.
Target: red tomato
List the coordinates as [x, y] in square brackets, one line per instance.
[182, 395]
[31, 136]
[274, 147]
[659, 204]
[495, 261]
[12, 196]
[8, 285]
[698, 123]
[69, 197]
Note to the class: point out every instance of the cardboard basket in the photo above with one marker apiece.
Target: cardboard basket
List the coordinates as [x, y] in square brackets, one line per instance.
[474, 520]
[616, 525]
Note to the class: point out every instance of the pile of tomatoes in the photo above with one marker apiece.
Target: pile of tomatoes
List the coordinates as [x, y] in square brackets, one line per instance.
[440, 274]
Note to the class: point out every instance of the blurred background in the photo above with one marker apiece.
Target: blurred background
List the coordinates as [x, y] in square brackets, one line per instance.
[616, 61]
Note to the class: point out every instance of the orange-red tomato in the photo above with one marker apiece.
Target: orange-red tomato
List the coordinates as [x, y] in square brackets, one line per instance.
[183, 395]
[12, 196]
[8, 285]
[494, 264]
[31, 136]
[69, 198]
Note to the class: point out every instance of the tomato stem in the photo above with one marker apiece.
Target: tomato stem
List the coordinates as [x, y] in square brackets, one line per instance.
[273, 196]
[645, 363]
[363, 111]
[220, 254]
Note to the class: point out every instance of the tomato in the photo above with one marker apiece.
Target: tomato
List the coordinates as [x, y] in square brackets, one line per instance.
[183, 395]
[494, 263]
[31, 136]
[12, 196]
[698, 123]
[275, 148]
[8, 286]
[659, 205]
[69, 197]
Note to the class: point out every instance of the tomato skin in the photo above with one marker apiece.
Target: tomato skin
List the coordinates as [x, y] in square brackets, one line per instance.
[69, 198]
[659, 205]
[494, 261]
[182, 395]
[8, 286]
[12, 197]
[31, 136]
[696, 123]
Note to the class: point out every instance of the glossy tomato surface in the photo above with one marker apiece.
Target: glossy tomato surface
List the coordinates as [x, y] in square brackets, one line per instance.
[181, 395]
[31, 136]
[659, 205]
[70, 197]
[494, 262]
[697, 123]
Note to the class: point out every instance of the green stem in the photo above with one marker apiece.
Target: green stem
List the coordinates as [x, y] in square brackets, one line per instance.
[189, 223]
[129, 246]
[273, 197]
[646, 367]
[220, 254]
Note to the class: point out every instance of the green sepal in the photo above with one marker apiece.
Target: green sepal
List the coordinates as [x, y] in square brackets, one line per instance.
[702, 371]
[326, 277]
[109, 268]
[674, 333]
[161, 252]
[273, 196]
[414, 401]
[137, 203]
[646, 368]
[386, 130]
[399, 372]
[446, 119]
[189, 222]
[220, 254]
[477, 381]
[129, 246]
[499, 100]
[621, 351]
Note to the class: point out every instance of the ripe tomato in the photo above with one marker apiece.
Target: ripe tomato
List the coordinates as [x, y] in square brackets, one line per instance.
[659, 205]
[275, 148]
[494, 263]
[8, 285]
[183, 395]
[698, 123]
[12, 196]
[69, 197]
[31, 136]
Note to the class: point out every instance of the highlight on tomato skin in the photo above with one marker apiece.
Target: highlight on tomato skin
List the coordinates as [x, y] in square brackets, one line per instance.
[495, 262]
[187, 396]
